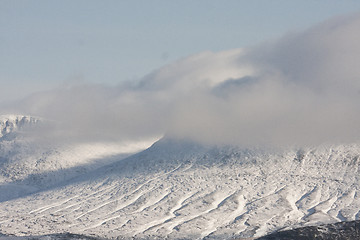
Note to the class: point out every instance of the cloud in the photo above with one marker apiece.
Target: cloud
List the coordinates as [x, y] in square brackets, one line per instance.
[301, 89]
[304, 89]
[324, 57]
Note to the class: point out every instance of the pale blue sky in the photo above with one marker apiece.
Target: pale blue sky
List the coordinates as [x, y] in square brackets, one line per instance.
[45, 44]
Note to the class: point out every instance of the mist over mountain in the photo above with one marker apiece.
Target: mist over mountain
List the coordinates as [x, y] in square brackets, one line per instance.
[302, 88]
[245, 142]
[29, 163]
[10, 124]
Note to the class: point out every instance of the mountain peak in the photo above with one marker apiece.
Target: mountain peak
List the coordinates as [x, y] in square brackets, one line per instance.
[13, 123]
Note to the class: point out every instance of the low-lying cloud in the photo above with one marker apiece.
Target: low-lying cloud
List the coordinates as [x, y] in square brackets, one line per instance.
[301, 89]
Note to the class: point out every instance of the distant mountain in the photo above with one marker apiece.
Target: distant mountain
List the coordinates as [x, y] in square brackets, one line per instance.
[184, 190]
[13, 123]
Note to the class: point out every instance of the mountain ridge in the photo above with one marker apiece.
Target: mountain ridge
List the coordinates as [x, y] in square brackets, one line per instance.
[178, 189]
[12, 123]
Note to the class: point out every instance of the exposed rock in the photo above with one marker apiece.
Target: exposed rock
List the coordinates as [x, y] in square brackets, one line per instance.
[12, 123]
[336, 231]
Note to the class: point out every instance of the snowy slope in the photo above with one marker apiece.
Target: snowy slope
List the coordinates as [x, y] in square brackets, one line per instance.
[27, 165]
[179, 189]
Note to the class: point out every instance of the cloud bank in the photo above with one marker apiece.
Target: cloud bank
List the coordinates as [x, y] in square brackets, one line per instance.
[301, 89]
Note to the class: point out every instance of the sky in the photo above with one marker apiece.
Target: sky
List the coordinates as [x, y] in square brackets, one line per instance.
[49, 44]
[235, 73]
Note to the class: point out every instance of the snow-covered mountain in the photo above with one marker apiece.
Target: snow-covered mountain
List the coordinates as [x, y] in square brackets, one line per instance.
[13, 123]
[28, 165]
[183, 190]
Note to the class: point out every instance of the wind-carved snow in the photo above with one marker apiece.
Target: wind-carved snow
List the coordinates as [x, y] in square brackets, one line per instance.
[180, 190]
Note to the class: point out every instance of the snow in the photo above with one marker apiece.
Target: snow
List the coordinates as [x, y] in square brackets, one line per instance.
[27, 165]
[174, 189]
[11, 123]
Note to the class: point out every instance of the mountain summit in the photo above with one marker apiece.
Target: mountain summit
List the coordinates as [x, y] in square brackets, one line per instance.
[13, 123]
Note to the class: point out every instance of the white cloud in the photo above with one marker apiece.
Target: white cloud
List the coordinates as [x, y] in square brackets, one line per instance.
[303, 88]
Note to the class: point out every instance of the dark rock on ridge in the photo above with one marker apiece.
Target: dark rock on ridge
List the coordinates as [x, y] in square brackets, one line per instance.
[335, 231]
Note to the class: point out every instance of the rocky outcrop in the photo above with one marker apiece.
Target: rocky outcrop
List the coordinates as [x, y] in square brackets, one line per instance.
[13, 123]
[335, 231]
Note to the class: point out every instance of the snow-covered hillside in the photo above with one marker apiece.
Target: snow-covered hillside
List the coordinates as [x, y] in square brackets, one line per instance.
[28, 165]
[182, 190]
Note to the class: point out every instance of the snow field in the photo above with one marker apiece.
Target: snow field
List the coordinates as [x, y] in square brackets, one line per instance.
[187, 191]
